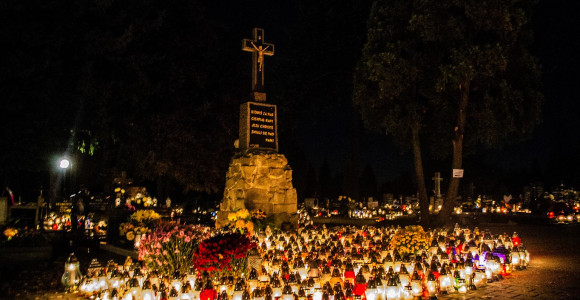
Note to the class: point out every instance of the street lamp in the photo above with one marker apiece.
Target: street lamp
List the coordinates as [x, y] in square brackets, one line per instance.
[64, 164]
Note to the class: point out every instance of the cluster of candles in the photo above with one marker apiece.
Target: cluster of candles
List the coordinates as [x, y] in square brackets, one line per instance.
[342, 263]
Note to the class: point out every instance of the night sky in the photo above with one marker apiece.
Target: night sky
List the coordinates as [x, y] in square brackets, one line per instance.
[550, 156]
[310, 79]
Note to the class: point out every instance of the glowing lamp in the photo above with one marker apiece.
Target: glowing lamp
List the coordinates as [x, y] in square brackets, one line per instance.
[388, 262]
[176, 281]
[416, 285]
[461, 288]
[317, 295]
[372, 291]
[287, 293]
[257, 294]
[407, 293]
[105, 295]
[173, 294]
[134, 289]
[480, 278]
[392, 291]
[434, 247]
[404, 277]
[208, 292]
[186, 291]
[72, 273]
[253, 279]
[432, 285]
[300, 268]
[147, 292]
[360, 284]
[445, 281]
[238, 290]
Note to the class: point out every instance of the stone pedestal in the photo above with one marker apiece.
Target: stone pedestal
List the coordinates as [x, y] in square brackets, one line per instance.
[260, 180]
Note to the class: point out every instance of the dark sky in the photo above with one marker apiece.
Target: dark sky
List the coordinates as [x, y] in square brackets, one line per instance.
[552, 151]
[317, 45]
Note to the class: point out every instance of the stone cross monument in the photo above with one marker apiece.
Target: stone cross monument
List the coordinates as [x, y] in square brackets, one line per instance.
[258, 48]
[258, 176]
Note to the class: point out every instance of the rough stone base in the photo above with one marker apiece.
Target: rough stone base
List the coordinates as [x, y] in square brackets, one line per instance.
[260, 180]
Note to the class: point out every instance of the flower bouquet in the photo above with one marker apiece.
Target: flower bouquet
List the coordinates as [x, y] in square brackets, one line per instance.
[146, 217]
[240, 220]
[140, 222]
[171, 247]
[224, 254]
[410, 240]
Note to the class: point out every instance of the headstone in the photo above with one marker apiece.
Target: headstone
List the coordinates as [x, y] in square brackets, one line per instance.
[64, 207]
[27, 215]
[372, 204]
[3, 210]
[309, 202]
[97, 204]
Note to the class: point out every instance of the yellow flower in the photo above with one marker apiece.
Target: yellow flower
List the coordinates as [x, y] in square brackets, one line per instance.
[243, 214]
[232, 217]
[130, 235]
[240, 224]
[250, 226]
[10, 232]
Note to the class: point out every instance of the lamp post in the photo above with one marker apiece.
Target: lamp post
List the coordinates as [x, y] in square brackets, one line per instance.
[64, 164]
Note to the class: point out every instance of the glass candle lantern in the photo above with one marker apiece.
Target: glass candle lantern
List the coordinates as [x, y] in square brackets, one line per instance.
[287, 293]
[72, 276]
[392, 291]
[147, 292]
[445, 281]
[432, 285]
[416, 284]
[461, 288]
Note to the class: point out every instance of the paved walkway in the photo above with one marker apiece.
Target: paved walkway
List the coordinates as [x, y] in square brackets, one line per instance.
[554, 271]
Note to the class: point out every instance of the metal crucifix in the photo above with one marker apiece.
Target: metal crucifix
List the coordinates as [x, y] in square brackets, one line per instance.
[258, 48]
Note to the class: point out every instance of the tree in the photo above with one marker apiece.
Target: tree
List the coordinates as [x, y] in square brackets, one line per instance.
[140, 79]
[440, 73]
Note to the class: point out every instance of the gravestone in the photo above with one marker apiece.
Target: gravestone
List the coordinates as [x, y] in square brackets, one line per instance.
[3, 210]
[258, 176]
[309, 202]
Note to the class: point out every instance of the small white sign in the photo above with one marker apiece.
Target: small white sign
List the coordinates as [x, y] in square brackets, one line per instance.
[457, 173]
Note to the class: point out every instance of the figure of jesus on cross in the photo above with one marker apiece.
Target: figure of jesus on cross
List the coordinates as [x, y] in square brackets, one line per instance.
[258, 49]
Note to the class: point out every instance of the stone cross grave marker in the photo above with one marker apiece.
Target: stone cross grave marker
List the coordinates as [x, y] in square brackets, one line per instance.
[258, 120]
[437, 179]
[258, 48]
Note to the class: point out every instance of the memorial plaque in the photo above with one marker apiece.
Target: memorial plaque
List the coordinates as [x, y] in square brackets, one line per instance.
[258, 126]
[64, 207]
[97, 204]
